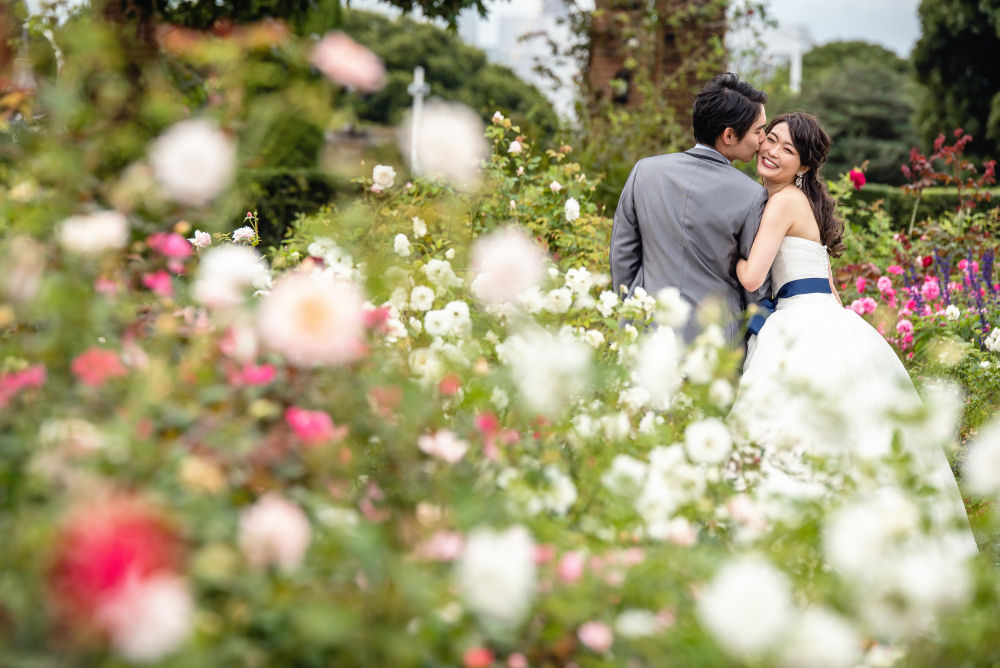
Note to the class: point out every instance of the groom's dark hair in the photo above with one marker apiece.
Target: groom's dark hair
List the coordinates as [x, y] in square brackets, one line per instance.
[725, 102]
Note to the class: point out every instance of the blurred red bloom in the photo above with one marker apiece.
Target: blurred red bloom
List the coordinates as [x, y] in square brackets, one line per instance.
[95, 365]
[857, 178]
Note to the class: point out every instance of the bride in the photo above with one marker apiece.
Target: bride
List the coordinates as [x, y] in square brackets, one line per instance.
[819, 380]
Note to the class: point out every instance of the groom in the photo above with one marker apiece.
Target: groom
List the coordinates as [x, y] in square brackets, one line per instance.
[684, 219]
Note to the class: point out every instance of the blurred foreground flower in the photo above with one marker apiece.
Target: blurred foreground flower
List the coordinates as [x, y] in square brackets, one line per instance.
[95, 233]
[344, 61]
[274, 532]
[449, 143]
[226, 274]
[115, 571]
[506, 264]
[193, 161]
[496, 576]
[313, 320]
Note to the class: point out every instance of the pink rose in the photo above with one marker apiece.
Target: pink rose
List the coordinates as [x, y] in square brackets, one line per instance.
[313, 427]
[596, 635]
[930, 289]
[477, 657]
[15, 381]
[443, 444]
[159, 282]
[95, 365]
[904, 327]
[861, 283]
[442, 546]
[252, 374]
[857, 178]
[348, 63]
[571, 565]
[963, 264]
[894, 269]
[170, 245]
[884, 283]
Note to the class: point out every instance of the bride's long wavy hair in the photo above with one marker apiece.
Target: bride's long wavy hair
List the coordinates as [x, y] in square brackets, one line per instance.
[813, 145]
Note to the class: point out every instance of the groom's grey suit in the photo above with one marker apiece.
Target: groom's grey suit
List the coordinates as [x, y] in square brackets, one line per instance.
[683, 220]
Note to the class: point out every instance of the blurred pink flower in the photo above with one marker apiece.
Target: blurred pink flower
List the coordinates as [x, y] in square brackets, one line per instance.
[313, 320]
[442, 546]
[95, 365]
[930, 289]
[963, 264]
[506, 263]
[477, 657]
[911, 305]
[517, 660]
[597, 636]
[857, 178]
[884, 283]
[894, 269]
[252, 374]
[904, 327]
[348, 63]
[170, 245]
[149, 618]
[571, 566]
[274, 532]
[13, 382]
[861, 283]
[544, 553]
[313, 427]
[444, 445]
[159, 282]
[863, 305]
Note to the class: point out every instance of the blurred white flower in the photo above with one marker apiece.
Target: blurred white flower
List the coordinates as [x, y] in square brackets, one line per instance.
[227, 273]
[497, 576]
[699, 364]
[421, 298]
[94, 233]
[607, 303]
[245, 233]
[71, 435]
[443, 444]
[720, 393]
[506, 264]
[419, 227]
[401, 245]
[440, 273]
[579, 280]
[499, 399]
[555, 186]
[550, 371]
[425, 364]
[449, 254]
[572, 209]
[671, 310]
[438, 322]
[558, 300]
[515, 147]
[708, 441]
[313, 320]
[656, 365]
[461, 321]
[201, 239]
[952, 312]
[634, 623]
[450, 143]
[149, 618]
[747, 606]
[593, 338]
[858, 536]
[820, 638]
[981, 469]
[497, 117]
[274, 532]
[344, 61]
[193, 161]
[625, 476]
[384, 176]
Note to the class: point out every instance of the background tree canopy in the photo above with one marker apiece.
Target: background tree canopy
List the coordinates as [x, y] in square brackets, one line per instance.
[956, 62]
[865, 96]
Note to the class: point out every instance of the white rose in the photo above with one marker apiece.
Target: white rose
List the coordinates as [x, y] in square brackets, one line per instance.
[95, 233]
[555, 186]
[515, 147]
[201, 239]
[244, 234]
[421, 298]
[952, 312]
[558, 300]
[497, 576]
[708, 441]
[193, 161]
[384, 176]
[419, 227]
[497, 117]
[401, 245]
[274, 531]
[438, 322]
[572, 209]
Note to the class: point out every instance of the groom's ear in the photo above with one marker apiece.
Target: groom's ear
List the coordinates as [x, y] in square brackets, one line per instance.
[729, 137]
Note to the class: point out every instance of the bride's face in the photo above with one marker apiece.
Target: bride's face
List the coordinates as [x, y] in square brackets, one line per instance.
[777, 160]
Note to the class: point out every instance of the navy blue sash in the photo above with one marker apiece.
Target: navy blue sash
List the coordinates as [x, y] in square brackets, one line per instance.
[800, 286]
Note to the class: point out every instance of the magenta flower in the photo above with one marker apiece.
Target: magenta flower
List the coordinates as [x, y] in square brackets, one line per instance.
[857, 178]
[313, 427]
[884, 284]
[904, 327]
[15, 381]
[861, 284]
[95, 365]
[170, 245]
[930, 290]
[159, 282]
[894, 269]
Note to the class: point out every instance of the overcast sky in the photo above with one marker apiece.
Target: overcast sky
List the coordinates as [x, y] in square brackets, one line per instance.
[891, 23]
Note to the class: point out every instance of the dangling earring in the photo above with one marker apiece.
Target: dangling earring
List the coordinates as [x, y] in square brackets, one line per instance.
[798, 180]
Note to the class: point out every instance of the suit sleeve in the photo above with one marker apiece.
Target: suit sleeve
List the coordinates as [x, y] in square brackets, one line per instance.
[626, 242]
[747, 234]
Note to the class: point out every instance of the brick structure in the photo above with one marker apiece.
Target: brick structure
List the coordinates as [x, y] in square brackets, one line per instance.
[683, 53]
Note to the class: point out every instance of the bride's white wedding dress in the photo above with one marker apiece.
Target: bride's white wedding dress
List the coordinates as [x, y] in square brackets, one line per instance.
[819, 380]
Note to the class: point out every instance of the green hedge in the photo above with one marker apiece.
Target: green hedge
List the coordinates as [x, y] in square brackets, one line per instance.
[899, 204]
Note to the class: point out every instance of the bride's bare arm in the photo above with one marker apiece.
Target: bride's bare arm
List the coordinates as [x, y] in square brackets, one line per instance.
[833, 286]
[774, 224]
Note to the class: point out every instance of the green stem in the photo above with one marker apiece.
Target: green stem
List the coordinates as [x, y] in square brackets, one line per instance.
[913, 216]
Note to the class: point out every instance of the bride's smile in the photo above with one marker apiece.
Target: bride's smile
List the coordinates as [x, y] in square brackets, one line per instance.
[778, 160]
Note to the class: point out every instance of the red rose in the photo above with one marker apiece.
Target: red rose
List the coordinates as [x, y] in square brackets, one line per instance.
[857, 178]
[927, 261]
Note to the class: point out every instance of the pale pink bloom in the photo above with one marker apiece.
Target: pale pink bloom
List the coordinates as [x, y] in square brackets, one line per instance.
[384, 176]
[884, 283]
[159, 282]
[376, 188]
[170, 245]
[544, 553]
[681, 532]
[149, 617]
[904, 327]
[571, 566]
[930, 289]
[344, 61]
[201, 239]
[227, 273]
[515, 147]
[95, 365]
[632, 556]
[861, 283]
[105, 286]
[517, 660]
[193, 161]
[313, 427]
[443, 444]
[13, 382]
[442, 546]
[240, 343]
[506, 264]
[477, 657]
[313, 320]
[894, 269]
[864, 305]
[274, 532]
[449, 143]
[596, 635]
[95, 233]
[244, 234]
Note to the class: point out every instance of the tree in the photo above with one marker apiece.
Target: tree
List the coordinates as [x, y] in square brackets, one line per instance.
[956, 64]
[863, 94]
